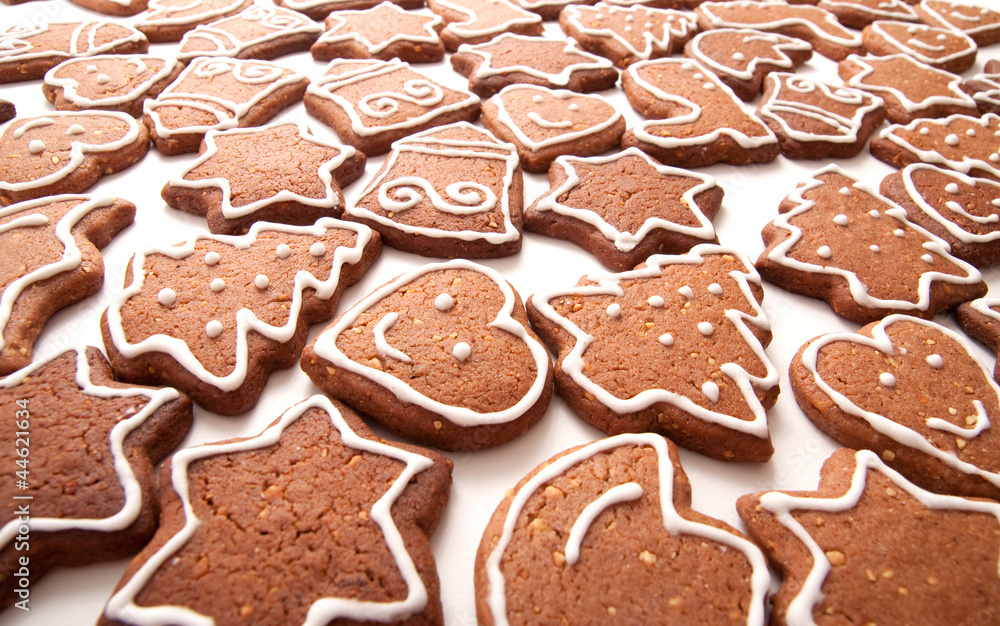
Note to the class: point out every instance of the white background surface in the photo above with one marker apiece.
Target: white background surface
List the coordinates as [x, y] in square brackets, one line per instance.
[480, 478]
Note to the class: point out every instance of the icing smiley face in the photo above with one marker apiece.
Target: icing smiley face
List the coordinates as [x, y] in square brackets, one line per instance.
[944, 48]
[544, 123]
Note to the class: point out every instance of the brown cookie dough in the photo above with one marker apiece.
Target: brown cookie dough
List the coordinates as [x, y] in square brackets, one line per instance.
[383, 32]
[960, 142]
[979, 22]
[258, 32]
[981, 320]
[479, 21]
[168, 20]
[7, 111]
[861, 13]
[945, 48]
[320, 9]
[441, 355]
[984, 87]
[36, 49]
[109, 82]
[315, 516]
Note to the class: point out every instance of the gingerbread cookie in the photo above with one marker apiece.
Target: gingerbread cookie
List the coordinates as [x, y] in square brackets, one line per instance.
[910, 89]
[314, 520]
[372, 103]
[627, 34]
[88, 488]
[320, 9]
[511, 59]
[945, 48]
[441, 355]
[867, 546]
[219, 94]
[813, 24]
[479, 21]
[742, 57]
[979, 22]
[839, 240]
[168, 20]
[861, 13]
[814, 120]
[30, 51]
[295, 178]
[963, 211]
[383, 32]
[215, 315]
[7, 111]
[109, 82]
[959, 142]
[981, 320]
[117, 8]
[258, 32]
[698, 317]
[51, 249]
[984, 87]
[911, 391]
[544, 124]
[453, 191]
[66, 152]
[697, 120]
[623, 500]
[626, 207]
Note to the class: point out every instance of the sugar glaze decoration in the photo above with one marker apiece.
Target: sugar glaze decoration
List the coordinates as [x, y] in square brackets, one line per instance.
[843, 111]
[146, 70]
[755, 50]
[571, 58]
[122, 604]
[185, 13]
[78, 39]
[927, 44]
[232, 36]
[636, 32]
[947, 209]
[963, 143]
[479, 21]
[673, 522]
[538, 133]
[350, 26]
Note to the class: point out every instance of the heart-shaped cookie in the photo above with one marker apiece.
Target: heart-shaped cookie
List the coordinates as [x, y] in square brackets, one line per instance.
[911, 391]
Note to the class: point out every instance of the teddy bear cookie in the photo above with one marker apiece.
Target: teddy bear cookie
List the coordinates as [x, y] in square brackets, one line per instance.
[623, 500]
[910, 88]
[30, 51]
[453, 191]
[441, 355]
[168, 20]
[372, 103]
[868, 546]
[911, 391]
[981, 23]
[70, 413]
[315, 519]
[215, 315]
[627, 34]
[696, 119]
[742, 57]
[815, 120]
[219, 94]
[626, 207]
[861, 13]
[963, 143]
[258, 32]
[479, 21]
[542, 61]
[544, 123]
[963, 211]
[219, 185]
[839, 240]
[945, 48]
[66, 152]
[698, 318]
[52, 251]
[383, 32]
[109, 82]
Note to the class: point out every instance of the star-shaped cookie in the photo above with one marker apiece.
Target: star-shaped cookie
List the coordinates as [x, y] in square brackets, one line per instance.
[625, 207]
[304, 175]
[870, 547]
[315, 520]
[383, 32]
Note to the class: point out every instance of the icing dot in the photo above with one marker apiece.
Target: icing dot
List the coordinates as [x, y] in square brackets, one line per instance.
[887, 379]
[841, 220]
[627, 29]
[444, 302]
[261, 282]
[217, 285]
[462, 351]
[687, 66]
[103, 79]
[75, 129]
[874, 214]
[667, 339]
[899, 232]
[537, 98]
[36, 146]
[711, 391]
[212, 258]
[739, 57]
[942, 37]
[656, 301]
[629, 18]
[927, 259]
[686, 291]
[824, 252]
[91, 69]
[715, 289]
[706, 328]
[167, 297]
[971, 132]
[951, 140]
[574, 106]
[283, 251]
[925, 131]
[317, 249]
[698, 76]
[995, 157]
[844, 191]
[614, 310]
[874, 248]
[951, 187]
[649, 25]
[935, 361]
[709, 86]
[213, 329]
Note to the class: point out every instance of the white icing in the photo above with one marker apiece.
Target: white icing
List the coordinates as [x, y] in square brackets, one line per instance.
[711, 391]
[874, 248]
[482, 20]
[167, 297]
[382, 344]
[212, 257]
[462, 351]
[951, 188]
[666, 339]
[17, 45]
[539, 47]
[841, 220]
[973, 156]
[614, 310]
[824, 252]
[784, 99]
[935, 360]
[258, 24]
[920, 49]
[686, 291]
[661, 29]
[775, 54]
[444, 302]
[947, 91]
[962, 17]
[656, 301]
[715, 289]
[524, 136]
[35, 146]
[951, 140]
[350, 26]
[317, 249]
[217, 285]
[261, 281]
[706, 328]
[122, 605]
[625, 492]
[982, 187]
[75, 129]
[213, 328]
[886, 379]
[282, 251]
[926, 258]
[187, 12]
